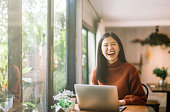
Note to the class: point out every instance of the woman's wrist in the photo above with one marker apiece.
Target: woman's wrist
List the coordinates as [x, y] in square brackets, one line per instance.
[122, 102]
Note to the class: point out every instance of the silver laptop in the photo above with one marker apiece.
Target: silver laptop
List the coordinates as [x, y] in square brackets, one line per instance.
[97, 97]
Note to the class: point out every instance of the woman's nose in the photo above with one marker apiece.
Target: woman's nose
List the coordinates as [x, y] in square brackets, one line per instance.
[110, 47]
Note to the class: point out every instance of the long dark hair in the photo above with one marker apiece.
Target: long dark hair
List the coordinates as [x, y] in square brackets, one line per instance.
[101, 71]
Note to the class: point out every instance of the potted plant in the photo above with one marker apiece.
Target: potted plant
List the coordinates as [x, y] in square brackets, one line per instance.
[64, 101]
[155, 39]
[162, 73]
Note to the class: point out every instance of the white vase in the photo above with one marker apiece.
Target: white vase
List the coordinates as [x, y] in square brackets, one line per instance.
[68, 110]
[59, 109]
[73, 100]
[162, 83]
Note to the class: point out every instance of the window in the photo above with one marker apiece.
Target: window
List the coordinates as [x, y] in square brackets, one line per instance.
[59, 74]
[23, 53]
[91, 54]
[84, 57]
[3, 44]
[88, 55]
[34, 27]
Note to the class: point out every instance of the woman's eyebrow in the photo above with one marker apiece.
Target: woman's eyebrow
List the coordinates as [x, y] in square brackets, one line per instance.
[114, 42]
[109, 42]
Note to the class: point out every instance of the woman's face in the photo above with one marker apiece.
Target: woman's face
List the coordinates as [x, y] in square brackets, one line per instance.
[110, 49]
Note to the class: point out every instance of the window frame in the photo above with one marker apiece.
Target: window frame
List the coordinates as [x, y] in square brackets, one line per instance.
[92, 30]
[50, 37]
[70, 44]
[14, 36]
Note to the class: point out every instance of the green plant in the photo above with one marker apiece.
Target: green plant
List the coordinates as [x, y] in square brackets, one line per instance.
[63, 98]
[31, 105]
[59, 80]
[3, 71]
[64, 103]
[59, 47]
[33, 28]
[3, 82]
[160, 72]
[155, 39]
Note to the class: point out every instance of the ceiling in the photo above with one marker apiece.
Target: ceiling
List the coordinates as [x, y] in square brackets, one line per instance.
[153, 12]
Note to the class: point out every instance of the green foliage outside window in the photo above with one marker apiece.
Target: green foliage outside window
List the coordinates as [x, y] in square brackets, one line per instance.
[34, 25]
[3, 42]
[59, 73]
[84, 57]
[33, 31]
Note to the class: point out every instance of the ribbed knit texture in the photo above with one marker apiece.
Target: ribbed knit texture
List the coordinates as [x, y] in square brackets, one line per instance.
[126, 77]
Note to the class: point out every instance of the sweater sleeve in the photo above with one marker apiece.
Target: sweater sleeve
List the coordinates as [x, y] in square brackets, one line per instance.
[93, 78]
[14, 85]
[137, 95]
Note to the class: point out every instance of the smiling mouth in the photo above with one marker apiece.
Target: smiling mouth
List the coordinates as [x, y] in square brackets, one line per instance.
[111, 53]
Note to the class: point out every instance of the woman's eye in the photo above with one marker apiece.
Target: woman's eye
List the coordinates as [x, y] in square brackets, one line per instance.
[105, 45]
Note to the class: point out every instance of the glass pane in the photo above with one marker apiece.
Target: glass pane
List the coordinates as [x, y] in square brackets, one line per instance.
[84, 56]
[34, 14]
[3, 38]
[59, 79]
[91, 53]
[3, 51]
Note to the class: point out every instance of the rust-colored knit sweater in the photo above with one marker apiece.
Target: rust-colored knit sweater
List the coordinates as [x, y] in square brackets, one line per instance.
[14, 85]
[126, 77]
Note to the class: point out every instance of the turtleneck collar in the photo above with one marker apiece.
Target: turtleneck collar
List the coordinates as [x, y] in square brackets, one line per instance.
[115, 64]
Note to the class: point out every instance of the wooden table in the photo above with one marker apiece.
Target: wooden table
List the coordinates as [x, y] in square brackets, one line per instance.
[155, 88]
[130, 108]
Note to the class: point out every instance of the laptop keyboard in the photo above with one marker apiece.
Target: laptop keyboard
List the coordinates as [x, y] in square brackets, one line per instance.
[121, 108]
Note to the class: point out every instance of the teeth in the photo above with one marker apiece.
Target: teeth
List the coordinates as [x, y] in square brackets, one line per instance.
[110, 53]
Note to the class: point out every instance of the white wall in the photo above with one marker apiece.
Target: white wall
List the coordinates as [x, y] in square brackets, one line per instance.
[152, 56]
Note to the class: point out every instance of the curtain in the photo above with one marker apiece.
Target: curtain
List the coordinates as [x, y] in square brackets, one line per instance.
[99, 33]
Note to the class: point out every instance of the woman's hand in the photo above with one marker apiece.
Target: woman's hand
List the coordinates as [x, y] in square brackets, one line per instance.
[122, 102]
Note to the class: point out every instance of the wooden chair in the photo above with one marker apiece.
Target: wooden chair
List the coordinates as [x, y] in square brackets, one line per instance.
[151, 103]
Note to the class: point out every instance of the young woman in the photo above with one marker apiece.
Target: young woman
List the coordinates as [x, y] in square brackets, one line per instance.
[113, 69]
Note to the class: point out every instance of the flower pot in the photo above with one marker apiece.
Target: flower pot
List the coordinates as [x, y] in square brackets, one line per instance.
[60, 109]
[73, 100]
[162, 83]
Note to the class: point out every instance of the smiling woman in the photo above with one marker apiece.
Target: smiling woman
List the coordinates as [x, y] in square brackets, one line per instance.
[113, 69]
[110, 49]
